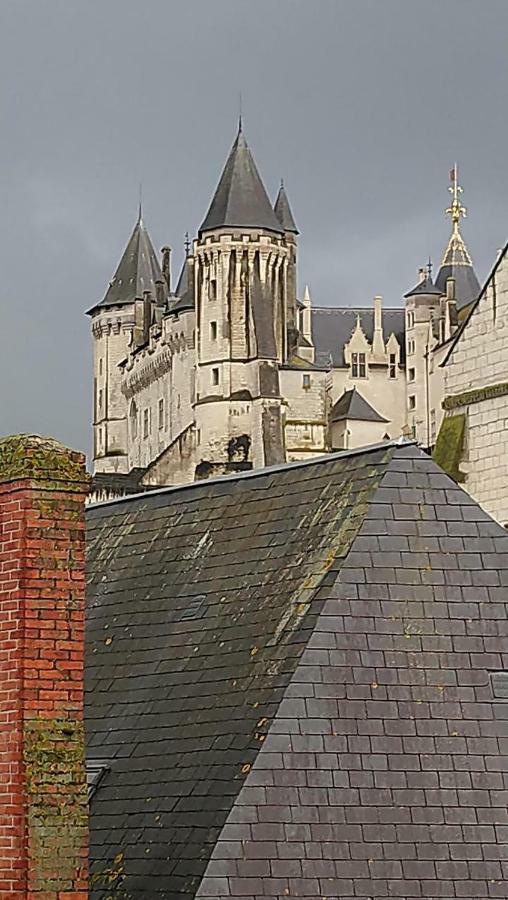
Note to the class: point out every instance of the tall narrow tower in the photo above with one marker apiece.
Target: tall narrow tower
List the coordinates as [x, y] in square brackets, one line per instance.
[112, 327]
[245, 314]
[457, 262]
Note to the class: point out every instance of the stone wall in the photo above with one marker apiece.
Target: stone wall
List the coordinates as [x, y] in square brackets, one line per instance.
[476, 377]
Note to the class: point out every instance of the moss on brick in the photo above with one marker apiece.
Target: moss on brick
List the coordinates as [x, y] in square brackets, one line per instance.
[54, 757]
[42, 459]
[448, 449]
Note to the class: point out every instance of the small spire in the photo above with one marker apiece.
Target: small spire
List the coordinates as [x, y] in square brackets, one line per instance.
[429, 268]
[240, 117]
[187, 244]
[140, 202]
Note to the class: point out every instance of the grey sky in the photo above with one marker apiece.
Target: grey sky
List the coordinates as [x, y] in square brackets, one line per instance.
[362, 106]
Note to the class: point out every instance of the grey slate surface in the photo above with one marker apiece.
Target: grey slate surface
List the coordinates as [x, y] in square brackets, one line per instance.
[351, 405]
[332, 329]
[240, 198]
[288, 675]
[467, 286]
[137, 271]
[426, 286]
[283, 211]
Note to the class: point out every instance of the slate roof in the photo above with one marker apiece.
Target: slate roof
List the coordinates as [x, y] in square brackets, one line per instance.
[137, 271]
[425, 286]
[288, 684]
[351, 405]
[283, 212]
[332, 328]
[240, 198]
[457, 264]
[184, 295]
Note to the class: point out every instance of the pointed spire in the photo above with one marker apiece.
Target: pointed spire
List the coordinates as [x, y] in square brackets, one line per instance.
[457, 261]
[137, 271]
[283, 212]
[306, 296]
[240, 199]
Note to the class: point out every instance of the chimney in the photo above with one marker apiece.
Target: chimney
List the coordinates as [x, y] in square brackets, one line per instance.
[378, 344]
[43, 791]
[166, 270]
[450, 288]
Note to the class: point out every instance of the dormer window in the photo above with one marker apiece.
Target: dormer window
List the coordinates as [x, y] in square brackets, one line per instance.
[358, 365]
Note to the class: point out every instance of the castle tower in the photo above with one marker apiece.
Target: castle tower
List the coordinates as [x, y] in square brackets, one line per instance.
[457, 263]
[113, 322]
[423, 307]
[283, 212]
[245, 316]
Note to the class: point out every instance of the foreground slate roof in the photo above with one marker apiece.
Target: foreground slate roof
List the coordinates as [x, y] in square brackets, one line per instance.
[288, 682]
[332, 328]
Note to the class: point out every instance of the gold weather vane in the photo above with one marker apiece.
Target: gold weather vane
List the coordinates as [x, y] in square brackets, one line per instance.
[456, 253]
[456, 210]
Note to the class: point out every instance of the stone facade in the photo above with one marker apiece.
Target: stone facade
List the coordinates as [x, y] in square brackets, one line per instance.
[230, 370]
[476, 391]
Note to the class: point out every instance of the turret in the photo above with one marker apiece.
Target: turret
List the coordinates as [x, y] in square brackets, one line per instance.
[241, 262]
[113, 325]
[457, 262]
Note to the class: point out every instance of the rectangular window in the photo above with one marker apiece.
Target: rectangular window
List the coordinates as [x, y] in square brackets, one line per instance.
[101, 398]
[410, 347]
[215, 376]
[393, 365]
[432, 426]
[146, 422]
[212, 290]
[412, 402]
[100, 366]
[161, 414]
[358, 365]
[410, 374]
[306, 382]
[213, 331]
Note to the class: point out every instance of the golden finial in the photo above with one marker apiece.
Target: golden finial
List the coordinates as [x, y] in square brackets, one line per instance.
[456, 210]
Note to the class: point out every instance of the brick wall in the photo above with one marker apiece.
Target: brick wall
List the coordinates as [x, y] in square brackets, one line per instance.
[43, 804]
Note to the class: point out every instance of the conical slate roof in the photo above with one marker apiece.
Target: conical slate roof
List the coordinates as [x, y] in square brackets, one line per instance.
[137, 271]
[184, 294]
[353, 406]
[457, 264]
[425, 286]
[283, 212]
[240, 199]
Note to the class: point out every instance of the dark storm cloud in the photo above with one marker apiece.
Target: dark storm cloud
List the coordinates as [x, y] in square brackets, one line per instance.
[362, 106]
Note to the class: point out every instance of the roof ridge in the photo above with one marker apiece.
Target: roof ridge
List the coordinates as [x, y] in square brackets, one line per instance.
[257, 473]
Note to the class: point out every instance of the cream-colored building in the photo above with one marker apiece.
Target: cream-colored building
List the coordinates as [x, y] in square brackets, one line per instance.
[231, 370]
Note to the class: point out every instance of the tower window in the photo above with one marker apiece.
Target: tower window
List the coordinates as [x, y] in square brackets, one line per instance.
[212, 289]
[393, 365]
[412, 402]
[100, 366]
[101, 400]
[432, 426]
[133, 414]
[306, 382]
[410, 347]
[161, 414]
[146, 422]
[410, 374]
[358, 365]
[215, 376]
[213, 331]
[410, 319]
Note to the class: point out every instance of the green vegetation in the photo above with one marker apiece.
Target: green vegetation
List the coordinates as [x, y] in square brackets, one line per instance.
[449, 444]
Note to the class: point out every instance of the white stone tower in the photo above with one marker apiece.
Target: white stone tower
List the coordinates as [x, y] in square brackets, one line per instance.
[113, 322]
[245, 283]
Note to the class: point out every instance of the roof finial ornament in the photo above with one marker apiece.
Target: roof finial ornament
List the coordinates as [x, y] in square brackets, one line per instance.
[429, 268]
[240, 113]
[140, 202]
[187, 244]
[456, 210]
[282, 184]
